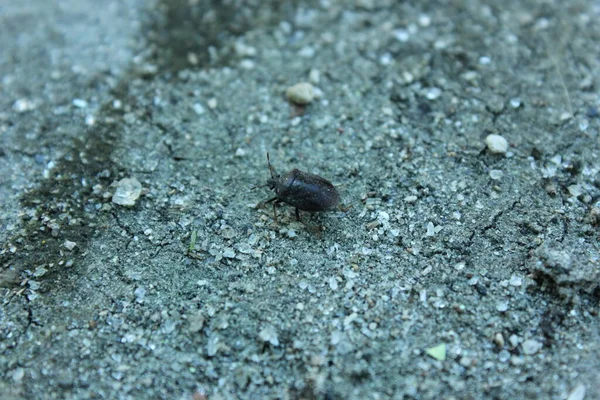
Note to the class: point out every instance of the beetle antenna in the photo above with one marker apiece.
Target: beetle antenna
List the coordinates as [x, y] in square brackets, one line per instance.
[270, 166]
[259, 186]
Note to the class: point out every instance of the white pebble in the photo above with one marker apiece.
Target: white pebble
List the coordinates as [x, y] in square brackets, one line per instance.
[578, 393]
[128, 191]
[401, 35]
[18, 374]
[301, 93]
[515, 280]
[269, 334]
[80, 103]
[229, 253]
[496, 144]
[307, 52]
[531, 347]
[502, 306]
[333, 284]
[496, 174]
[575, 190]
[23, 105]
[212, 103]
[314, 76]
[240, 152]
[139, 294]
[433, 93]
[198, 109]
[430, 229]
[69, 245]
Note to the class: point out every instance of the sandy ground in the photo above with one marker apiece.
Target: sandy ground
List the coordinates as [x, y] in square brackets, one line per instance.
[454, 269]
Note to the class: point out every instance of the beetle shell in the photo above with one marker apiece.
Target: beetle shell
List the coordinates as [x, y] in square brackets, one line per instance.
[305, 191]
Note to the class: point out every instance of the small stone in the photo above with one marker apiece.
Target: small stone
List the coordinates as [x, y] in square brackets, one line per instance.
[499, 340]
[18, 374]
[229, 253]
[198, 109]
[578, 393]
[430, 229]
[301, 93]
[575, 190]
[530, 347]
[192, 58]
[514, 340]
[69, 245]
[23, 105]
[314, 76]
[515, 280]
[212, 103]
[240, 152]
[466, 361]
[433, 93]
[196, 323]
[80, 103]
[128, 191]
[496, 144]
[438, 352]
[502, 306]
[212, 347]
[496, 174]
[333, 284]
[269, 334]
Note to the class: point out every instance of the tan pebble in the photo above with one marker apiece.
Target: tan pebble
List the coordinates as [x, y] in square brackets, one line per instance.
[301, 93]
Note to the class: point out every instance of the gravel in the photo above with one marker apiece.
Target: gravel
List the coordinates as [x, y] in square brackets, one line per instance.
[456, 266]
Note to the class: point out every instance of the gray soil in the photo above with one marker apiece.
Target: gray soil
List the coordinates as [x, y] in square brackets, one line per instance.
[194, 292]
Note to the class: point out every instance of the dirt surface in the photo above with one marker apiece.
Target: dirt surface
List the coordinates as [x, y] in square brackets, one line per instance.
[450, 271]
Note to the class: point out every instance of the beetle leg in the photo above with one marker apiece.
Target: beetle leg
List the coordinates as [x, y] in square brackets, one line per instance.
[270, 200]
[275, 211]
[297, 214]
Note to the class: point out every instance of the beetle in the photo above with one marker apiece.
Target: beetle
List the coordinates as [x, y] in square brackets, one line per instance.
[302, 190]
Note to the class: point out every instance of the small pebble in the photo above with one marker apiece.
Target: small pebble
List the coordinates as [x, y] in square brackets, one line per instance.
[499, 339]
[269, 334]
[80, 103]
[128, 191]
[502, 306]
[496, 144]
[433, 93]
[212, 103]
[69, 245]
[301, 93]
[18, 374]
[496, 174]
[531, 347]
[314, 76]
[430, 229]
[229, 253]
[198, 109]
[575, 190]
[578, 393]
[515, 280]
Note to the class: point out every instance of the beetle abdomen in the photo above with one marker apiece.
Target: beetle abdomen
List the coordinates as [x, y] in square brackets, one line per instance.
[308, 192]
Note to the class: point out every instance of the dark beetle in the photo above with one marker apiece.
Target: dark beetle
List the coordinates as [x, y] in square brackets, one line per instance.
[306, 192]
